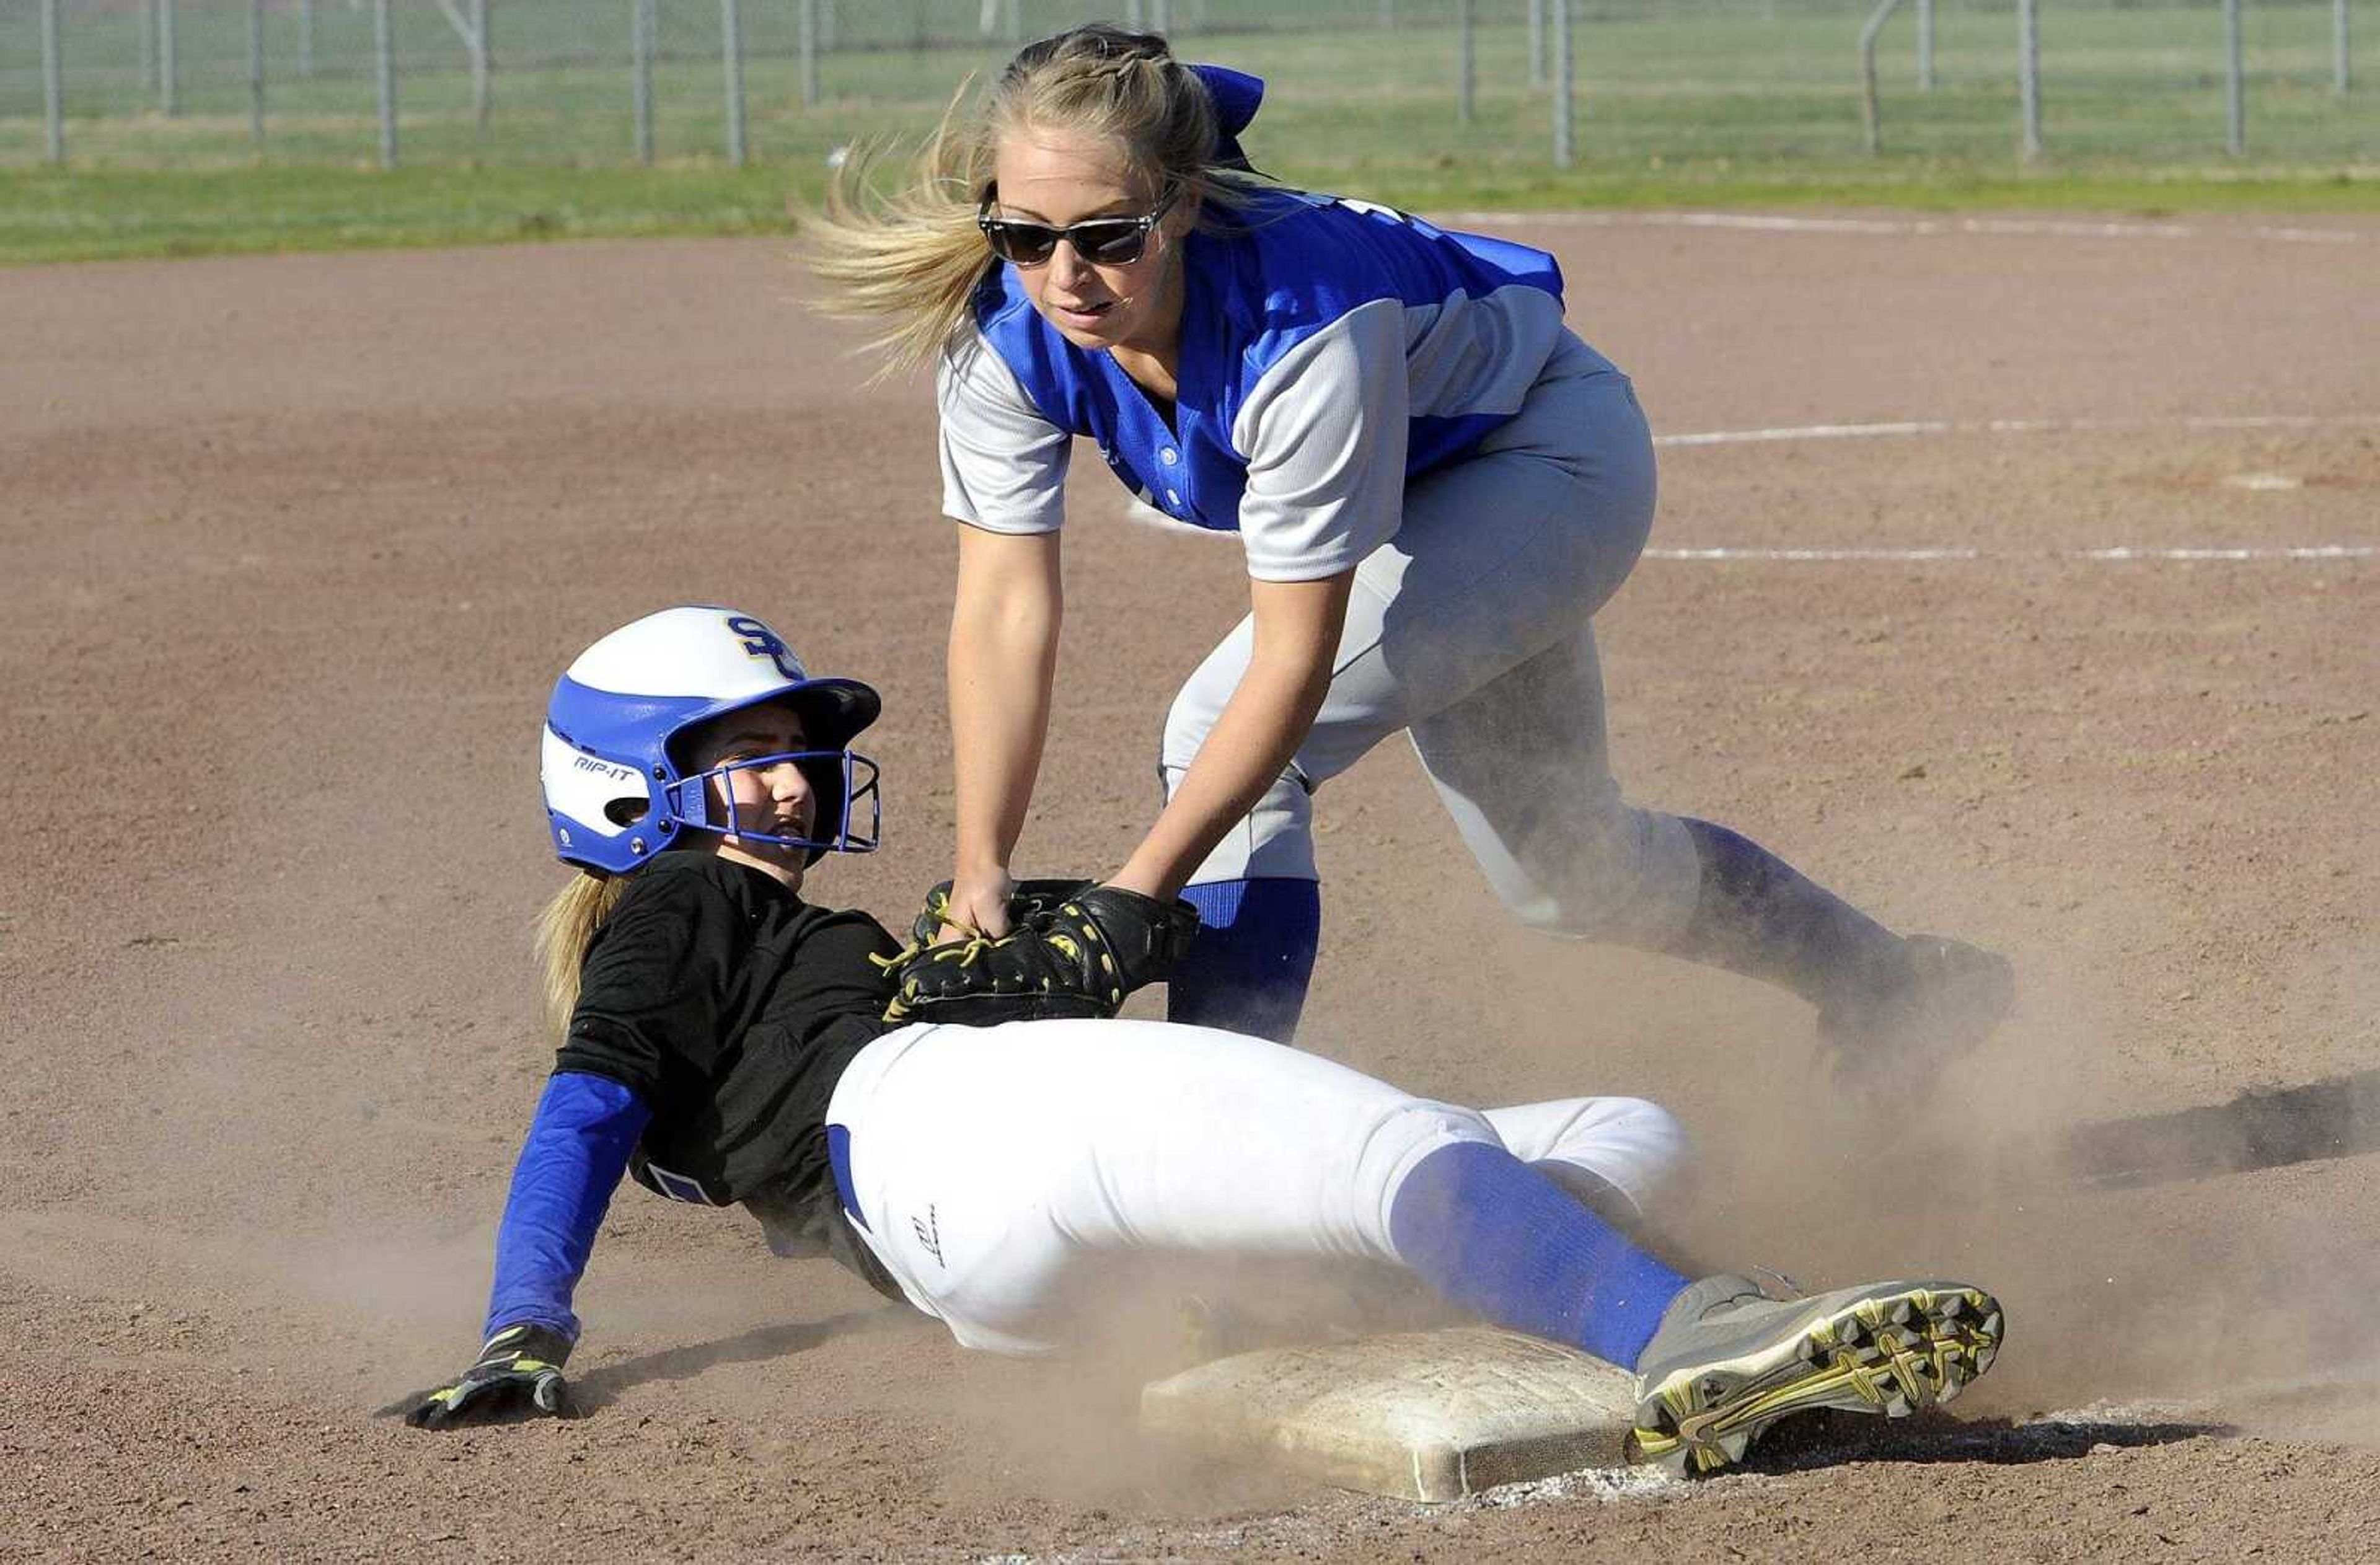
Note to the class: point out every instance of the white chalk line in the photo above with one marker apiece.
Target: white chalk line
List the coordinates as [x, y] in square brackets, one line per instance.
[1904, 428]
[2305, 551]
[1890, 554]
[1927, 227]
[1910, 427]
[2117, 553]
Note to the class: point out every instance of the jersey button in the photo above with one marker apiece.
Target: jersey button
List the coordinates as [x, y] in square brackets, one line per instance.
[1173, 498]
[1169, 456]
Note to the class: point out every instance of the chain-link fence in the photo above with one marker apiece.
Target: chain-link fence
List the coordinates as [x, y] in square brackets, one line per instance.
[177, 83]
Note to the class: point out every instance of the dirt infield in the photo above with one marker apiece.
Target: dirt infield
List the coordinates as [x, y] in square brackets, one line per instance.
[294, 548]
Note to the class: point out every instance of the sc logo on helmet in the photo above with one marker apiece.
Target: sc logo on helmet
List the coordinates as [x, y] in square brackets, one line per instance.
[761, 642]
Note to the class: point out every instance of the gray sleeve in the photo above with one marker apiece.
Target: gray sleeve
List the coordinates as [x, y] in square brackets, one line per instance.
[1325, 432]
[1004, 463]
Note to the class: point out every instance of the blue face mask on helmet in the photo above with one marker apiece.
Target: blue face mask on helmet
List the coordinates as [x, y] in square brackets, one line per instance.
[618, 787]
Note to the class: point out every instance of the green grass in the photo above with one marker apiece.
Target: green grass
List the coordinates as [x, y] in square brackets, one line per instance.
[1681, 106]
[78, 214]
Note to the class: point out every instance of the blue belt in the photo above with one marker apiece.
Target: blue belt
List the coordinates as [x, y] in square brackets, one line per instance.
[838, 1156]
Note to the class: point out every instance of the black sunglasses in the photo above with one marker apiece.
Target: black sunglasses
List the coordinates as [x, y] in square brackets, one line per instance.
[1102, 242]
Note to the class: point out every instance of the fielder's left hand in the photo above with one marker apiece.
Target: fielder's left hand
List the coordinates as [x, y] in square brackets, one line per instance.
[519, 1375]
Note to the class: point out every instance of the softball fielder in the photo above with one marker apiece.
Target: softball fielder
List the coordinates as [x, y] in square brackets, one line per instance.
[721, 1044]
[1435, 484]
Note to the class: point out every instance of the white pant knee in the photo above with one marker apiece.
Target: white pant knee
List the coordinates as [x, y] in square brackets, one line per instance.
[1635, 1146]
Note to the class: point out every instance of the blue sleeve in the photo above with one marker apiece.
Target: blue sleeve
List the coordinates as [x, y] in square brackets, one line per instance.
[576, 1150]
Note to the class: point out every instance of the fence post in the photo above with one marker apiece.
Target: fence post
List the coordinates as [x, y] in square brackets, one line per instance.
[1464, 109]
[2028, 75]
[148, 46]
[1925, 46]
[1160, 18]
[2235, 98]
[807, 17]
[731, 48]
[305, 37]
[53, 82]
[169, 64]
[384, 70]
[2341, 77]
[1538, 44]
[640, 73]
[1870, 107]
[1565, 138]
[479, 64]
[256, 71]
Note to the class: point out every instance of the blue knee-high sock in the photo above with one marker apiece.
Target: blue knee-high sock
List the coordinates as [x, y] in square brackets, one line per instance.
[1758, 915]
[1503, 1241]
[1248, 968]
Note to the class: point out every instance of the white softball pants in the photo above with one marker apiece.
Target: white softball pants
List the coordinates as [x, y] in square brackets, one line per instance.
[1472, 630]
[1001, 1173]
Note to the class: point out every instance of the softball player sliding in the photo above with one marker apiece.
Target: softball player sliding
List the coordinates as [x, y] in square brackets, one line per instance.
[1437, 486]
[721, 1043]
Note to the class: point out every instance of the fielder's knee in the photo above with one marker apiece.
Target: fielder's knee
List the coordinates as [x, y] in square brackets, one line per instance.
[1634, 882]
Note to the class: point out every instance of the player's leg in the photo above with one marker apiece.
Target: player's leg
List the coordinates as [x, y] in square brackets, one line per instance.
[1522, 766]
[1472, 629]
[1485, 574]
[1536, 805]
[1001, 1173]
[1520, 758]
[1258, 895]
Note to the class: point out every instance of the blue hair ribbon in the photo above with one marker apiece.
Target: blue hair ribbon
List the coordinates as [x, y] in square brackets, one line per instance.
[1237, 95]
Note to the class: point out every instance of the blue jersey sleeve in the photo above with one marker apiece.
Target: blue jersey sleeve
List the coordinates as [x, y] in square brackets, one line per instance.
[576, 1150]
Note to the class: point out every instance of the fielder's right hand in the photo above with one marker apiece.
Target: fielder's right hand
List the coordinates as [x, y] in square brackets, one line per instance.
[519, 1375]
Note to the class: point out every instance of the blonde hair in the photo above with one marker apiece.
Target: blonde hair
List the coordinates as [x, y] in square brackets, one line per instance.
[914, 256]
[566, 927]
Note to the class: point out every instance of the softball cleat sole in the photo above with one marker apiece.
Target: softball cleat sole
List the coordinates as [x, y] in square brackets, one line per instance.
[1728, 1361]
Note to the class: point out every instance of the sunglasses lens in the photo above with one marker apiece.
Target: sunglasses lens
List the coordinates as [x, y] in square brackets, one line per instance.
[1109, 244]
[1102, 242]
[1027, 244]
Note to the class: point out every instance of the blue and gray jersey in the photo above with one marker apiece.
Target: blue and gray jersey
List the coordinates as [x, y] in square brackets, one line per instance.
[1330, 351]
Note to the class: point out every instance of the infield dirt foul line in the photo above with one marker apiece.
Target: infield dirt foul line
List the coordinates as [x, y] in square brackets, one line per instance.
[1903, 428]
[1928, 227]
[1906, 427]
[2118, 553]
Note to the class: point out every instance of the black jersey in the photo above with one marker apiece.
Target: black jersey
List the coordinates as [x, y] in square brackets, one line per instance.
[731, 1007]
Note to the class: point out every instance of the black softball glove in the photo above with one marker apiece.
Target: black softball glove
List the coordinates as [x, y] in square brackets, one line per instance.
[518, 1375]
[1028, 901]
[1075, 949]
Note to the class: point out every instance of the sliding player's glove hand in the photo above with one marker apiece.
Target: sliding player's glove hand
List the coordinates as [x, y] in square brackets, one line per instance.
[1073, 948]
[518, 1375]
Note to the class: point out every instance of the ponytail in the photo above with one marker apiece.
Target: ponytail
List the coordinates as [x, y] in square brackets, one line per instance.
[566, 927]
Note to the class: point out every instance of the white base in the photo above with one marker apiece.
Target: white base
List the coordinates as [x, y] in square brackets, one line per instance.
[1422, 1415]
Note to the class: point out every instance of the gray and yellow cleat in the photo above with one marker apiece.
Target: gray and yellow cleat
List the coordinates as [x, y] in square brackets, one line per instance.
[1728, 1361]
